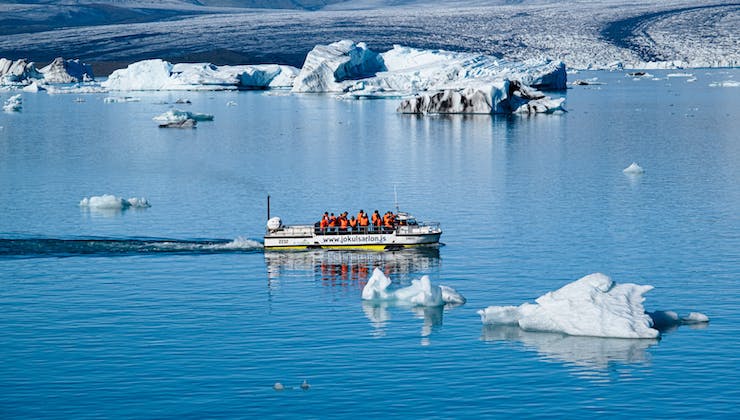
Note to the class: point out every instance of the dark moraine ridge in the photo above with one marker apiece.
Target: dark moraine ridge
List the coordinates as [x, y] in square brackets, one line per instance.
[623, 33]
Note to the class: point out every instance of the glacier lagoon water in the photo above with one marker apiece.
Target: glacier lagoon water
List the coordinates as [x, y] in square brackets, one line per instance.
[155, 313]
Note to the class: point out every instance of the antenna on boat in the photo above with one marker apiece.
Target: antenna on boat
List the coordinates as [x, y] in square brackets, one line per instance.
[395, 198]
[268, 206]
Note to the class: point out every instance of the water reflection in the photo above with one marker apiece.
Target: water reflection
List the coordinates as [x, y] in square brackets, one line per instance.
[342, 268]
[379, 313]
[592, 356]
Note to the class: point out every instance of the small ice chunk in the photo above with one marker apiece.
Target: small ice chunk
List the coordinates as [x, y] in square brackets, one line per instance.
[111, 202]
[694, 318]
[13, 104]
[421, 292]
[278, 386]
[177, 115]
[120, 99]
[634, 168]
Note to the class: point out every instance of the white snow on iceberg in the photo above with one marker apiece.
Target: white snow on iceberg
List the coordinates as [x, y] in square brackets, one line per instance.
[327, 66]
[421, 292]
[111, 202]
[591, 306]
[162, 75]
[177, 115]
[19, 72]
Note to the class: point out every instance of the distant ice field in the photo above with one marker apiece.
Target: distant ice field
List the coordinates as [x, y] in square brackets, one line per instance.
[583, 34]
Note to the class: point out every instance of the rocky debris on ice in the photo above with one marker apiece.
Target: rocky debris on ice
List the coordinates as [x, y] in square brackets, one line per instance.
[421, 292]
[498, 97]
[67, 71]
[327, 66]
[162, 75]
[633, 169]
[591, 306]
[111, 202]
[186, 123]
[177, 115]
[13, 104]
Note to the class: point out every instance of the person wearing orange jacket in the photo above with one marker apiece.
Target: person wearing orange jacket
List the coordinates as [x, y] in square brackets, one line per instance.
[353, 223]
[343, 222]
[324, 222]
[377, 221]
[332, 221]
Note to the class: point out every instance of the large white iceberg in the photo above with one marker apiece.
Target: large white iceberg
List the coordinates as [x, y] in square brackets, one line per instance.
[327, 66]
[421, 292]
[353, 68]
[591, 306]
[162, 75]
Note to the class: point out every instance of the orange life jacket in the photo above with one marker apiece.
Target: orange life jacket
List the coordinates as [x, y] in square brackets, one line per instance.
[332, 221]
[324, 223]
[343, 222]
[364, 221]
[353, 222]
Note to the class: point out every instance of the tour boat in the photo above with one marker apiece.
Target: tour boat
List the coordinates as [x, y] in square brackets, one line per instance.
[407, 232]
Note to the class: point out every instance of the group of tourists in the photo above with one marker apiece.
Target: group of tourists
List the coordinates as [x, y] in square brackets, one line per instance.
[360, 223]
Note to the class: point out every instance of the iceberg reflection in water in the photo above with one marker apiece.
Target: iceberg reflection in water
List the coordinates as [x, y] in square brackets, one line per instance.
[379, 313]
[593, 356]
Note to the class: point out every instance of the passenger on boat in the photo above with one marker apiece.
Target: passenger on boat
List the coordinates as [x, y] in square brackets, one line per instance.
[343, 222]
[362, 220]
[324, 221]
[353, 223]
[332, 221]
[377, 220]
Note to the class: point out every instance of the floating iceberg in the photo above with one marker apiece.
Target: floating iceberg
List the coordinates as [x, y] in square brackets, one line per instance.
[633, 169]
[67, 71]
[726, 83]
[162, 75]
[327, 66]
[111, 202]
[13, 104]
[421, 292]
[501, 97]
[186, 123]
[34, 87]
[120, 99]
[591, 306]
[22, 72]
[663, 320]
[176, 115]
[19, 72]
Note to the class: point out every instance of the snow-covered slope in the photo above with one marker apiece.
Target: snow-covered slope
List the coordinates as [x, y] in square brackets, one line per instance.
[583, 34]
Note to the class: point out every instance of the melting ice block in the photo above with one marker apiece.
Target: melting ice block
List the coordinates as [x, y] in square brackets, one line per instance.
[67, 71]
[591, 306]
[111, 202]
[326, 66]
[421, 292]
[13, 104]
[177, 115]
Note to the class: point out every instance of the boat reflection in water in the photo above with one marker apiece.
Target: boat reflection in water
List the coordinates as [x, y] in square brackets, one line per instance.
[590, 357]
[352, 269]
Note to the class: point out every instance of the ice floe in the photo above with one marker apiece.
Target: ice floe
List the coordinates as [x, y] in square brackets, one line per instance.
[120, 99]
[111, 202]
[162, 75]
[726, 83]
[633, 169]
[177, 115]
[592, 306]
[421, 292]
[13, 104]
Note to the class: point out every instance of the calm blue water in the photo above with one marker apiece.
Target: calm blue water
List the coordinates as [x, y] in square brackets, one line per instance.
[150, 313]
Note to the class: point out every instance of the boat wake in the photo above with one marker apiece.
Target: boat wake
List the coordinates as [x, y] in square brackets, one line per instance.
[63, 247]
